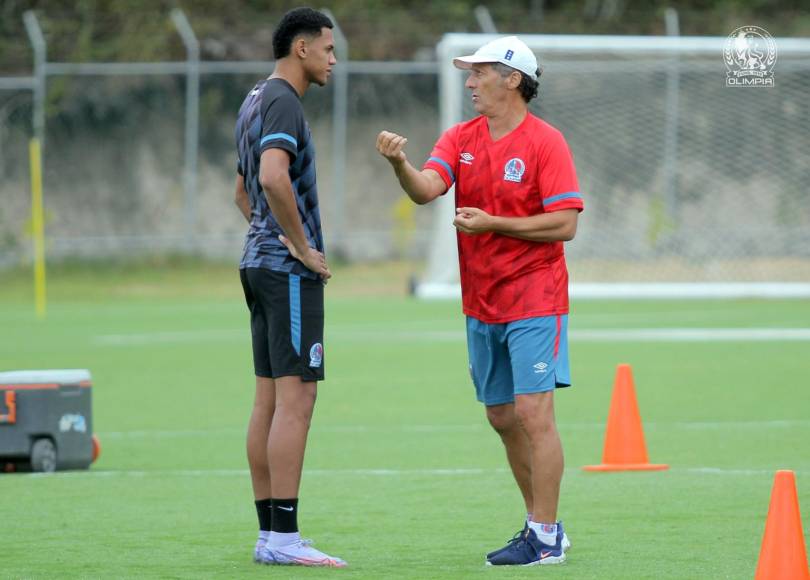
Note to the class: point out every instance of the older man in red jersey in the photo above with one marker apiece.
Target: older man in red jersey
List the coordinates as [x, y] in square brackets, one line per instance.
[517, 201]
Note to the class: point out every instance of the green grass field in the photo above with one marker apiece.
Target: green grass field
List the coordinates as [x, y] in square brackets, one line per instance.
[403, 478]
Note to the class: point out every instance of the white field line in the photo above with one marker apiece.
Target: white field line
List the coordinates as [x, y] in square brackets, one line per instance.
[371, 429]
[675, 315]
[576, 335]
[728, 471]
[777, 424]
[383, 472]
[171, 337]
[377, 472]
[692, 334]
[239, 431]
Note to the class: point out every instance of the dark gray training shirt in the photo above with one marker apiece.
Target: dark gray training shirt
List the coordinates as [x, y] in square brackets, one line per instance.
[271, 116]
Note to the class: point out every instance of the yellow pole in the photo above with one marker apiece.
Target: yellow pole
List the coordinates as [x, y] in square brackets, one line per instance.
[38, 227]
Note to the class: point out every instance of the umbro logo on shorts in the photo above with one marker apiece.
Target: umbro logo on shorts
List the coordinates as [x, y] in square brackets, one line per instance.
[540, 367]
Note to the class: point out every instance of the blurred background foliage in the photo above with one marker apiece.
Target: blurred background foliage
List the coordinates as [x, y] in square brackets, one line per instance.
[126, 30]
[114, 160]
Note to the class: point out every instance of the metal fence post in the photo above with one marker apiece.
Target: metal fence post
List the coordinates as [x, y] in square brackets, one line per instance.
[192, 117]
[36, 148]
[485, 21]
[340, 113]
[39, 46]
[671, 131]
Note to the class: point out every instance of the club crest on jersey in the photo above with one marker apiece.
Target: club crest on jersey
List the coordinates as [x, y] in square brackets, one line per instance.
[316, 355]
[513, 170]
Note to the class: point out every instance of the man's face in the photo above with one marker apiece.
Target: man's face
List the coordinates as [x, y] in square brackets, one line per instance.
[320, 57]
[488, 87]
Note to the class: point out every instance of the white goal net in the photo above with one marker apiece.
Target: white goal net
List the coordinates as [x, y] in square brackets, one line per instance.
[691, 188]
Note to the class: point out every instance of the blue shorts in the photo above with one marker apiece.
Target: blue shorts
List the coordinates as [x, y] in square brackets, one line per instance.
[520, 357]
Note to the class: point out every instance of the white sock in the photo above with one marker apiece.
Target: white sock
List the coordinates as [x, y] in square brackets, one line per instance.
[546, 533]
[263, 535]
[277, 539]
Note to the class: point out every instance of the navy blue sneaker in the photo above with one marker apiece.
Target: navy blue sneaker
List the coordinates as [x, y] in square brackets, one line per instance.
[508, 545]
[565, 543]
[528, 550]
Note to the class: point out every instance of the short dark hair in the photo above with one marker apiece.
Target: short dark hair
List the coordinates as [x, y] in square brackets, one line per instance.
[528, 86]
[297, 21]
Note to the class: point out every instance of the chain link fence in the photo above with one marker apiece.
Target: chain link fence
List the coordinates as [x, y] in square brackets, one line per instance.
[685, 179]
[114, 163]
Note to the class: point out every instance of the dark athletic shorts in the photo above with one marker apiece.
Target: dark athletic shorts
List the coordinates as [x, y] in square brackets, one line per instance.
[286, 322]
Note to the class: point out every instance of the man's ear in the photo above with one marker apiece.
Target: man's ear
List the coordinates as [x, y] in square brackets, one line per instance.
[300, 47]
[514, 80]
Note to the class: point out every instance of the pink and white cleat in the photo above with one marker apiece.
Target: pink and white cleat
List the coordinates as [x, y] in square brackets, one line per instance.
[299, 553]
[260, 556]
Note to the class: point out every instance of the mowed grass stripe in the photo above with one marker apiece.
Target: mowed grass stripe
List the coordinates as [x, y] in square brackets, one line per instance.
[403, 476]
[565, 425]
[577, 335]
[382, 472]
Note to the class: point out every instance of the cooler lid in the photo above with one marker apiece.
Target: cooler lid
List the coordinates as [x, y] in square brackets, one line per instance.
[59, 376]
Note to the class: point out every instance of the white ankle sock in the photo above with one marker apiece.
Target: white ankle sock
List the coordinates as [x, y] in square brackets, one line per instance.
[263, 535]
[277, 539]
[546, 533]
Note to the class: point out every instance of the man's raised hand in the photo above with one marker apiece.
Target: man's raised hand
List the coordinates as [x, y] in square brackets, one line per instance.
[391, 146]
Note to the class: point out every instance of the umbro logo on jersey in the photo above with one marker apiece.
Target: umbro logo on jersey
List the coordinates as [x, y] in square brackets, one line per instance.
[540, 367]
[466, 158]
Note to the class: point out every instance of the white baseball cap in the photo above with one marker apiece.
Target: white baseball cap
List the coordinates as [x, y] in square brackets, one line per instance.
[508, 50]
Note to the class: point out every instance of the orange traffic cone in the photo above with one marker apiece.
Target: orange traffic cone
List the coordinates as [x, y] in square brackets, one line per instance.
[624, 437]
[783, 555]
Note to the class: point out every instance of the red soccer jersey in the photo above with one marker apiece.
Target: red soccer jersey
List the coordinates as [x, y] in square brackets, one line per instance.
[527, 172]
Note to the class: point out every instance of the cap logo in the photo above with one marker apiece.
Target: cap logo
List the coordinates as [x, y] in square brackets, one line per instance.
[509, 54]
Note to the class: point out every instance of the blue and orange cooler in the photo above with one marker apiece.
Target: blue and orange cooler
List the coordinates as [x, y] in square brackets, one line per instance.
[46, 421]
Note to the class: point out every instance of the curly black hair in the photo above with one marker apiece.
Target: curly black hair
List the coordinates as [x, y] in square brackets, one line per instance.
[528, 86]
[297, 21]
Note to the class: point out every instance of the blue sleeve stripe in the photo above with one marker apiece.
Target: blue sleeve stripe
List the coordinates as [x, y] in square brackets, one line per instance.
[560, 197]
[295, 312]
[444, 164]
[284, 136]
